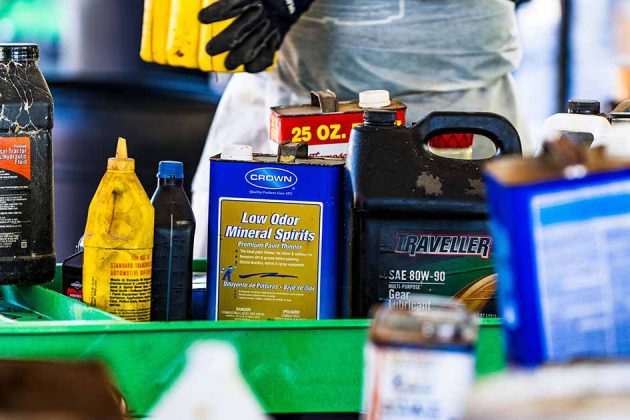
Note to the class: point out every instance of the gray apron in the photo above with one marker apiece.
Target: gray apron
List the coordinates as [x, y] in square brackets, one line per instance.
[448, 55]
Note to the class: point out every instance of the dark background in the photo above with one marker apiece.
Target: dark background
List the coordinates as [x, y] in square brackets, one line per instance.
[103, 90]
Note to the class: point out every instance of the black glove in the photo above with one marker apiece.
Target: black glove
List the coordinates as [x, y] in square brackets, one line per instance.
[256, 34]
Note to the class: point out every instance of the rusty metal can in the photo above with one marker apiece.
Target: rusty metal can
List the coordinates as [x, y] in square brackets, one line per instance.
[325, 124]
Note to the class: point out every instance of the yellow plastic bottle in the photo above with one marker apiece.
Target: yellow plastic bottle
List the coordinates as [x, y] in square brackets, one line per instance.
[118, 242]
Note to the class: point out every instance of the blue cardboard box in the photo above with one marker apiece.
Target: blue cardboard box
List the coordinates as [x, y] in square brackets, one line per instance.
[562, 250]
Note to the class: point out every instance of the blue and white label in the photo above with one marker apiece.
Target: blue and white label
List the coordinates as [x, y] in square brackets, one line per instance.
[271, 178]
[582, 244]
[506, 293]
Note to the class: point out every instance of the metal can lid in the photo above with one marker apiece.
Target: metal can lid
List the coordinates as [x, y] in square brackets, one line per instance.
[237, 152]
[374, 99]
[18, 52]
[424, 320]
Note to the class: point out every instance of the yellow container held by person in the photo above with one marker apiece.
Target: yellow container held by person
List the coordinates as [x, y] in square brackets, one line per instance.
[182, 43]
[118, 243]
[155, 26]
[146, 53]
[206, 33]
[171, 34]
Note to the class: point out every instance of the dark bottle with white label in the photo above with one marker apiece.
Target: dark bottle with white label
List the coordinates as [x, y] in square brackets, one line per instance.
[171, 290]
[27, 253]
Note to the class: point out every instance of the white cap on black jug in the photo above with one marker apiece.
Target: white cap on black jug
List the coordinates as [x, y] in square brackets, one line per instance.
[237, 152]
[374, 99]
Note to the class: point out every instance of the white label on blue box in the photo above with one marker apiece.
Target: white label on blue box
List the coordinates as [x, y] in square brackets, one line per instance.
[582, 243]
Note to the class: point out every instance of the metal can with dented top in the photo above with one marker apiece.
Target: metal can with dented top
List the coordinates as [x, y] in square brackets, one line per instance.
[326, 122]
[273, 236]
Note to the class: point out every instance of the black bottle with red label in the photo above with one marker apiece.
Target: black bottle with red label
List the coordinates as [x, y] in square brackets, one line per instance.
[27, 253]
[72, 274]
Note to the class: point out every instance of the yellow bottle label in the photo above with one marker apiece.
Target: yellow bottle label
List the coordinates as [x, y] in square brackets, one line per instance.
[118, 281]
[269, 260]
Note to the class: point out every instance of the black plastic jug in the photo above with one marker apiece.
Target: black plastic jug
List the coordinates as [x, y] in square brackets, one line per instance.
[27, 253]
[416, 222]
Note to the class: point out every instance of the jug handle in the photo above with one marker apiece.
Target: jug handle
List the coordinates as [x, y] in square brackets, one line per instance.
[493, 126]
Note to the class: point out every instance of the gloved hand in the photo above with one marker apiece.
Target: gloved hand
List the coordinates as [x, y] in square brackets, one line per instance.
[256, 34]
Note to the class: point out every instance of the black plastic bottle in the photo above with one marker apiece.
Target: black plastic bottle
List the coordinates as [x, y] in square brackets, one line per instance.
[171, 290]
[27, 254]
[72, 274]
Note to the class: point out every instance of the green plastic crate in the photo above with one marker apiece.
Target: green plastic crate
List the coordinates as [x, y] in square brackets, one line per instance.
[27, 304]
[292, 366]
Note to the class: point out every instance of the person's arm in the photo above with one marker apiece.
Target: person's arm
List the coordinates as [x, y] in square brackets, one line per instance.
[257, 31]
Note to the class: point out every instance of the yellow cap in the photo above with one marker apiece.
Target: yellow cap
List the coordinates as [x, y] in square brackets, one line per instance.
[121, 162]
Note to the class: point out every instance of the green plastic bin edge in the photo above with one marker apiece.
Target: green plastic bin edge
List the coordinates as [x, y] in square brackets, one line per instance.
[292, 366]
[51, 305]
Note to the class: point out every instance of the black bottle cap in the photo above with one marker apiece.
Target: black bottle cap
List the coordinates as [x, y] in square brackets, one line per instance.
[379, 117]
[18, 52]
[584, 106]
